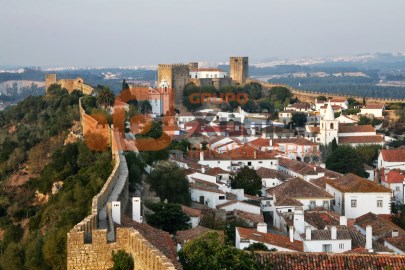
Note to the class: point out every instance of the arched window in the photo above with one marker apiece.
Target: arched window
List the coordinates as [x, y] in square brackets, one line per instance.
[331, 126]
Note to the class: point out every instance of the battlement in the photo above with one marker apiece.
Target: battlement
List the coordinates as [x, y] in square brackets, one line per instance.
[172, 65]
[95, 251]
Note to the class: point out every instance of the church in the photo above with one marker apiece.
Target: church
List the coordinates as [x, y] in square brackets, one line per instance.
[330, 129]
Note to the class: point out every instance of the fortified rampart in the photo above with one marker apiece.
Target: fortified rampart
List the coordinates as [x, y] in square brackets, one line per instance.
[309, 96]
[69, 84]
[89, 246]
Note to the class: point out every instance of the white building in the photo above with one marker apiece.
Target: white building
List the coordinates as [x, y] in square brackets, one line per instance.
[376, 110]
[391, 159]
[394, 180]
[333, 240]
[201, 73]
[354, 196]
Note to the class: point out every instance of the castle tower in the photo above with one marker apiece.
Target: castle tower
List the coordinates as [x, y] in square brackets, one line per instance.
[329, 128]
[49, 80]
[177, 76]
[239, 69]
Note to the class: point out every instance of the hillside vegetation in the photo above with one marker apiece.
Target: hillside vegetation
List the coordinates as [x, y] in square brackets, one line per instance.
[33, 221]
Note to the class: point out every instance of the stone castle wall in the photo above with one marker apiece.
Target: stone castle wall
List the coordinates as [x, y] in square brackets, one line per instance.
[177, 76]
[239, 69]
[88, 246]
[309, 96]
[69, 84]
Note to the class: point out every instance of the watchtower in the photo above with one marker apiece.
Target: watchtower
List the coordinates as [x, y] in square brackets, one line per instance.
[239, 69]
[177, 76]
[49, 80]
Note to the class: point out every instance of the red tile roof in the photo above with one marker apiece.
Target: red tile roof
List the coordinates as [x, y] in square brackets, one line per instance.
[297, 141]
[298, 188]
[374, 106]
[330, 261]
[272, 239]
[274, 174]
[355, 129]
[361, 139]
[191, 212]
[381, 227]
[393, 155]
[353, 183]
[395, 176]
[260, 142]
[398, 242]
[320, 218]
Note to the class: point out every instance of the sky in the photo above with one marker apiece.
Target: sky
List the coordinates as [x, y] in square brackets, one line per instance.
[147, 32]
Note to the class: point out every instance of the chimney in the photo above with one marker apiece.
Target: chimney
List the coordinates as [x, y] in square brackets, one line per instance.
[116, 211]
[369, 238]
[254, 154]
[307, 233]
[291, 232]
[322, 165]
[203, 169]
[314, 168]
[271, 142]
[201, 155]
[395, 233]
[299, 223]
[136, 209]
[262, 227]
[333, 233]
[343, 221]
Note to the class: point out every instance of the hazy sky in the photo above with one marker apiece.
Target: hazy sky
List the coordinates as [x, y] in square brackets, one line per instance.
[135, 32]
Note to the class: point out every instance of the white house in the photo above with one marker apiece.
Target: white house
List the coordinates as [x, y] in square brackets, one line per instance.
[394, 180]
[241, 206]
[332, 240]
[354, 196]
[245, 237]
[392, 159]
[373, 109]
[271, 178]
[209, 196]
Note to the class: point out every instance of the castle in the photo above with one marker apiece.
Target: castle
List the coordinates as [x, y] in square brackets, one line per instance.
[178, 75]
[69, 84]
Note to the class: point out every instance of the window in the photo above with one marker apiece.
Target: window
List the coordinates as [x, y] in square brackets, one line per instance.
[327, 248]
[312, 204]
[222, 197]
[331, 126]
[379, 203]
[354, 203]
[396, 188]
[341, 246]
[260, 162]
[249, 163]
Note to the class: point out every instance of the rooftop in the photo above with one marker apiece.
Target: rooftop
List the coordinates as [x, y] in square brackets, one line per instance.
[381, 227]
[361, 139]
[331, 261]
[393, 155]
[320, 218]
[355, 129]
[272, 239]
[298, 188]
[274, 174]
[356, 184]
[398, 242]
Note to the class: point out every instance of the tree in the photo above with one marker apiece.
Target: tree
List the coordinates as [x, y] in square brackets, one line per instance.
[254, 90]
[125, 85]
[364, 120]
[105, 97]
[89, 103]
[352, 102]
[209, 252]
[169, 181]
[334, 144]
[346, 160]
[257, 246]
[321, 98]
[122, 261]
[248, 180]
[144, 107]
[280, 93]
[168, 217]
[299, 119]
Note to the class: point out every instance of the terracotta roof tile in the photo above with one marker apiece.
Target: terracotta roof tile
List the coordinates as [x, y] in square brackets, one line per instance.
[273, 239]
[381, 227]
[361, 139]
[298, 188]
[355, 129]
[398, 242]
[321, 218]
[330, 261]
[393, 155]
[353, 183]
[394, 176]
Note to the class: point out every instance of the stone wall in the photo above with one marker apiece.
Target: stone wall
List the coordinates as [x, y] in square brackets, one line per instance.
[309, 96]
[239, 69]
[69, 84]
[96, 254]
[177, 76]
[88, 246]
